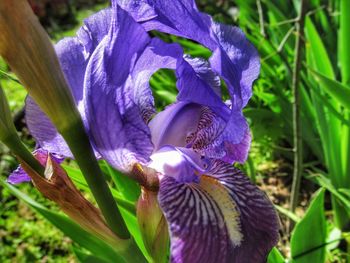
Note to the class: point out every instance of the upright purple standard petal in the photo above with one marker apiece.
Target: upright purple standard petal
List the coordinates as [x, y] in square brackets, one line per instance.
[95, 28]
[116, 125]
[173, 125]
[156, 55]
[174, 17]
[234, 59]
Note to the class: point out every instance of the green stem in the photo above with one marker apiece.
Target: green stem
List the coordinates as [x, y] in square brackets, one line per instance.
[80, 146]
[252, 175]
[14, 143]
[298, 158]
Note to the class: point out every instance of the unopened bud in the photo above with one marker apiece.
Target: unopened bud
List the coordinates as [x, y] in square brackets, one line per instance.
[59, 188]
[153, 225]
[27, 49]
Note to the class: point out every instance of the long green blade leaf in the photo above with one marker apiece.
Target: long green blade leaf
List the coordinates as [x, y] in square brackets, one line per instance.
[338, 91]
[310, 234]
[69, 228]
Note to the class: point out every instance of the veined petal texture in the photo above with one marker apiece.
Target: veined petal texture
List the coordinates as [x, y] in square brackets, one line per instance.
[116, 125]
[223, 218]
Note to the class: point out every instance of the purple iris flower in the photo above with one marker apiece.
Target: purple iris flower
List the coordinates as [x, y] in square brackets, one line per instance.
[214, 213]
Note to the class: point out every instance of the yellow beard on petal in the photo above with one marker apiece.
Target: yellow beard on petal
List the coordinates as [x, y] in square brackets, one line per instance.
[227, 207]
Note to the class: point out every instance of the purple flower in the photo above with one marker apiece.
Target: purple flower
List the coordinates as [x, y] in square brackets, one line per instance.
[214, 213]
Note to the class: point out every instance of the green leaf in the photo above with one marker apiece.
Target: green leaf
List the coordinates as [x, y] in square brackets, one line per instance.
[127, 208]
[84, 257]
[77, 177]
[338, 91]
[129, 189]
[344, 40]
[308, 241]
[275, 256]
[287, 213]
[323, 181]
[321, 58]
[68, 227]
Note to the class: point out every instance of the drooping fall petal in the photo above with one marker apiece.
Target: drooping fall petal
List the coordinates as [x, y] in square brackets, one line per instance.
[220, 218]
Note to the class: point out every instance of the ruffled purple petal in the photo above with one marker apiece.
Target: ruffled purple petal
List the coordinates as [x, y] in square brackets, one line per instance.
[20, 176]
[156, 55]
[116, 125]
[140, 10]
[95, 28]
[259, 221]
[236, 60]
[179, 18]
[221, 218]
[197, 227]
[198, 127]
[71, 56]
[197, 83]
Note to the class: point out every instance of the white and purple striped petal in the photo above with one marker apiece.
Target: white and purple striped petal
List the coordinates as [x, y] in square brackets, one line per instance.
[259, 221]
[219, 217]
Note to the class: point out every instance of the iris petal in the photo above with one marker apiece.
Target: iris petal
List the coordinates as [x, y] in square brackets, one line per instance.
[223, 218]
[259, 220]
[116, 125]
[95, 28]
[234, 59]
[199, 84]
[156, 55]
[42, 129]
[197, 227]
[172, 125]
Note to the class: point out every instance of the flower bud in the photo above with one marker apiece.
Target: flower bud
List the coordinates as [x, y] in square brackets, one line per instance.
[153, 225]
[27, 49]
[59, 188]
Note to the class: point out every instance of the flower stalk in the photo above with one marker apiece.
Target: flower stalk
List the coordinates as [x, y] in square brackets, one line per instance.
[9, 136]
[27, 49]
